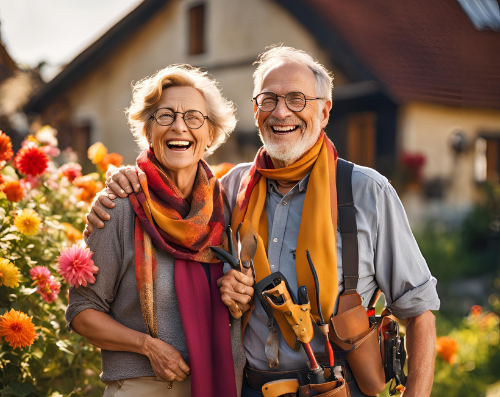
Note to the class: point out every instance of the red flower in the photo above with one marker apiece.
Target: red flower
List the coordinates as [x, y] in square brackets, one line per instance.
[70, 171]
[31, 161]
[6, 152]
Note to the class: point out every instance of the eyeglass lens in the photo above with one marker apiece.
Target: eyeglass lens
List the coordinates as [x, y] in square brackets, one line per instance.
[192, 118]
[267, 101]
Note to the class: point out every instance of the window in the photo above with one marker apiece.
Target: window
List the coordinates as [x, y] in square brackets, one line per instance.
[361, 139]
[487, 160]
[196, 29]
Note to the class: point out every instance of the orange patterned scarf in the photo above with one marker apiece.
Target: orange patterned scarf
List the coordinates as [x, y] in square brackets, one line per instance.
[317, 229]
[167, 221]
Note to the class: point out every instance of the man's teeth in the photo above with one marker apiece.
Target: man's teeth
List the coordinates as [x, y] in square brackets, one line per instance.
[284, 129]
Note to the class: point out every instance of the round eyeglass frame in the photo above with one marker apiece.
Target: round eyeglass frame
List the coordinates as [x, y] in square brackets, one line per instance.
[153, 116]
[286, 101]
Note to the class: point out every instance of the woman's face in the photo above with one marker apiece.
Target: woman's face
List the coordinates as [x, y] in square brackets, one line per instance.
[177, 147]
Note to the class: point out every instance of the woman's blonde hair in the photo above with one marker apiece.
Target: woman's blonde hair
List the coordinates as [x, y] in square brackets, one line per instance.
[147, 92]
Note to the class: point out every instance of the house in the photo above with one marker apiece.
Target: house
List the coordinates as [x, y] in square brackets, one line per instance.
[410, 77]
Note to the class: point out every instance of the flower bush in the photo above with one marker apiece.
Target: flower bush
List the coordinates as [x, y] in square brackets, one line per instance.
[42, 216]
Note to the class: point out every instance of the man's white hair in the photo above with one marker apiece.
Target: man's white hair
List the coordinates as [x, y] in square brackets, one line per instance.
[275, 55]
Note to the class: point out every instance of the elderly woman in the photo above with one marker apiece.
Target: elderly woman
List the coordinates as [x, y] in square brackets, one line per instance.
[155, 309]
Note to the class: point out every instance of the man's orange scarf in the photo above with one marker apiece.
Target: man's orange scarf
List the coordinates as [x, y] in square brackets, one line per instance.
[318, 227]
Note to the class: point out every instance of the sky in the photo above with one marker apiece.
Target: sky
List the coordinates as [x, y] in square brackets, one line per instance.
[55, 31]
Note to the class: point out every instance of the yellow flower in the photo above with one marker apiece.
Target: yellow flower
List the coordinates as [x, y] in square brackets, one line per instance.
[97, 152]
[27, 222]
[2, 196]
[72, 233]
[8, 273]
[17, 329]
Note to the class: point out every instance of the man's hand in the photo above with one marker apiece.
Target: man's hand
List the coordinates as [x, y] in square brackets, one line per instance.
[166, 361]
[119, 182]
[236, 291]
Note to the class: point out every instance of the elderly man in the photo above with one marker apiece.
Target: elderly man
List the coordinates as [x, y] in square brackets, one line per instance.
[286, 194]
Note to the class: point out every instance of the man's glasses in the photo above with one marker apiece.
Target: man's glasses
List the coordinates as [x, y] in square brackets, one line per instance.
[295, 101]
[165, 116]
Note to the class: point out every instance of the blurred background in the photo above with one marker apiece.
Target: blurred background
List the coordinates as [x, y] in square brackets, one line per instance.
[417, 97]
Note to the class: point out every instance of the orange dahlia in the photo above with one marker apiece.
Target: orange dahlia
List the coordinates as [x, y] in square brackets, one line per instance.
[89, 187]
[447, 348]
[221, 169]
[97, 152]
[111, 159]
[31, 161]
[13, 191]
[6, 152]
[72, 233]
[17, 329]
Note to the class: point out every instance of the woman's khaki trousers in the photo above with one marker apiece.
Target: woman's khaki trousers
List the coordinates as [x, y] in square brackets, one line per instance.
[147, 386]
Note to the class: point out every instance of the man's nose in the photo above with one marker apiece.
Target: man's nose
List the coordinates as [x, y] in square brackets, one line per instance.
[281, 111]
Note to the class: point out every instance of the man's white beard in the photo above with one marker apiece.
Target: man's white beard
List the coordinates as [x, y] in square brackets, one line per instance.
[283, 151]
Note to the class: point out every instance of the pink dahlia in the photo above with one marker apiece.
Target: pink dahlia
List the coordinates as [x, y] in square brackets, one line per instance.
[76, 266]
[40, 274]
[70, 171]
[50, 290]
[31, 161]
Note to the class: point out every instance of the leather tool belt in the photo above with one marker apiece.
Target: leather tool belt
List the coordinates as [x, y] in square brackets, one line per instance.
[376, 352]
[296, 383]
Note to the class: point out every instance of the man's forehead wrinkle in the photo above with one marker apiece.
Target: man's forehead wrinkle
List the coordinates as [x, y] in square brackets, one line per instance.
[292, 77]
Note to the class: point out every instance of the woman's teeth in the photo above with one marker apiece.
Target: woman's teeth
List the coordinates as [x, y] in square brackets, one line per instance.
[280, 129]
[179, 145]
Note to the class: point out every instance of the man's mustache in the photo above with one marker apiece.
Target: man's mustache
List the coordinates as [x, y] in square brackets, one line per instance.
[271, 120]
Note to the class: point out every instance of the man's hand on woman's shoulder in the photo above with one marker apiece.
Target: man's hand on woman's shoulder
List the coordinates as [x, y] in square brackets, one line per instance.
[120, 182]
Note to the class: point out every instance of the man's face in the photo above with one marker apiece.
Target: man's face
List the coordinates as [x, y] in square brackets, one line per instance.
[288, 135]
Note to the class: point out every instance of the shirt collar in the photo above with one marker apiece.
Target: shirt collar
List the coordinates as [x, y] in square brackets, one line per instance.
[272, 184]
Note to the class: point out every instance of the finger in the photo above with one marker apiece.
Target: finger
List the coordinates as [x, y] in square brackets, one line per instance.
[171, 375]
[117, 189]
[228, 296]
[88, 230]
[180, 375]
[123, 181]
[184, 367]
[105, 201]
[243, 278]
[133, 179]
[93, 219]
[101, 213]
[110, 193]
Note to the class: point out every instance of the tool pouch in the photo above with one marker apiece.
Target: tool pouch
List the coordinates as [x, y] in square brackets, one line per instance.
[350, 330]
[297, 316]
[335, 388]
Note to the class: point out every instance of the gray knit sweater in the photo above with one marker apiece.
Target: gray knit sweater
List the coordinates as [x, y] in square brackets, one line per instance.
[115, 293]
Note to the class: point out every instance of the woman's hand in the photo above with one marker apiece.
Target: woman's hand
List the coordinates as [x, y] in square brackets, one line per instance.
[236, 289]
[166, 361]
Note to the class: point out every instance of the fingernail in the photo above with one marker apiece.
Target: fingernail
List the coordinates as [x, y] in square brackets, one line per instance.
[112, 197]
[122, 191]
[101, 224]
[107, 216]
[128, 189]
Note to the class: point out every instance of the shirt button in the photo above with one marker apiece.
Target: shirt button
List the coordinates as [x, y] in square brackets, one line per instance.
[285, 203]
[275, 240]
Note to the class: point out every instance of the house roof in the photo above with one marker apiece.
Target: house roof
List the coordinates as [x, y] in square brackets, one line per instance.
[424, 51]
[419, 51]
[93, 55]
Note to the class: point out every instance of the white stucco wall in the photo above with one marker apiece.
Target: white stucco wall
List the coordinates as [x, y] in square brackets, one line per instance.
[236, 32]
[427, 129]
